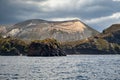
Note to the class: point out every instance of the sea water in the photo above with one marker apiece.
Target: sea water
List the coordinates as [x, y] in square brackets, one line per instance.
[71, 67]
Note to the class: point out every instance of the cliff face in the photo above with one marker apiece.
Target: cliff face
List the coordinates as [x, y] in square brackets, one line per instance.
[107, 42]
[60, 30]
[47, 47]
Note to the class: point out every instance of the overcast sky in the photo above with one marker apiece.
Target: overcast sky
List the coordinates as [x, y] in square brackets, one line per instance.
[98, 14]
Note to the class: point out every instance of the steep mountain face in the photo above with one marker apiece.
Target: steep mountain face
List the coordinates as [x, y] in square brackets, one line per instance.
[107, 42]
[60, 30]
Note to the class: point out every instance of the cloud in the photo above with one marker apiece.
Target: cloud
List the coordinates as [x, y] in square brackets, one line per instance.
[117, 0]
[69, 5]
[104, 22]
[92, 10]
[63, 19]
[19, 10]
[106, 18]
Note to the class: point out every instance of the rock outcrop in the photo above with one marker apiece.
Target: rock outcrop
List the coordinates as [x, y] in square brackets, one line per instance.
[47, 47]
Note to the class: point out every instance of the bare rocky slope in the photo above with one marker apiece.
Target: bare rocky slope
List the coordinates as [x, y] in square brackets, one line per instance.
[62, 31]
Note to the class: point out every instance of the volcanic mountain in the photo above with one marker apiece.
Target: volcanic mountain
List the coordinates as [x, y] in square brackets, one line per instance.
[62, 31]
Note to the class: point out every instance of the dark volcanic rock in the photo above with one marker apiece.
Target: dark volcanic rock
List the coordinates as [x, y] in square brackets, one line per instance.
[47, 47]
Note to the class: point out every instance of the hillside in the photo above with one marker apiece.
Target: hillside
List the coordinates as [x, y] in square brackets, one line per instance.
[107, 42]
[112, 28]
[62, 31]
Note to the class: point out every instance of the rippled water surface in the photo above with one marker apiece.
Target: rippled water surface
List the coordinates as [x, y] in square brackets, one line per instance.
[72, 67]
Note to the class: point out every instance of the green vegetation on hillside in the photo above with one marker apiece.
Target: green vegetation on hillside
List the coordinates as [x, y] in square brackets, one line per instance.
[12, 47]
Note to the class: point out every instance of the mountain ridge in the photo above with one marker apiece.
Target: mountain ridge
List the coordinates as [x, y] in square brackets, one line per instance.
[112, 28]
